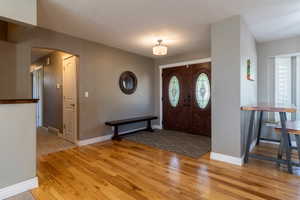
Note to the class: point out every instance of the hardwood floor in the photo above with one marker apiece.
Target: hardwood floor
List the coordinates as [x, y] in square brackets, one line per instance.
[129, 171]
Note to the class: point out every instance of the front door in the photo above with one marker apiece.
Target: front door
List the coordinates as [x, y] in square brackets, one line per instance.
[69, 100]
[186, 99]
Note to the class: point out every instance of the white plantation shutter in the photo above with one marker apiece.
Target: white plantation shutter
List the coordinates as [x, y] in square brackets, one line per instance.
[297, 85]
[283, 81]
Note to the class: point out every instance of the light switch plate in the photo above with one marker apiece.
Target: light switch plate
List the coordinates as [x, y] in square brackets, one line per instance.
[86, 94]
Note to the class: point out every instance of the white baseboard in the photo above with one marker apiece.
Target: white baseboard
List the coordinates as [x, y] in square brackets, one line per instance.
[104, 138]
[94, 140]
[157, 126]
[52, 129]
[225, 158]
[18, 188]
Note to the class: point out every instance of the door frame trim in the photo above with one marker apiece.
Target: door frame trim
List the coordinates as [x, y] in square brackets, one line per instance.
[161, 67]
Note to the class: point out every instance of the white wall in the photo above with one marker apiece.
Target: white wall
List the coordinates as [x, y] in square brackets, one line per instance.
[266, 70]
[24, 11]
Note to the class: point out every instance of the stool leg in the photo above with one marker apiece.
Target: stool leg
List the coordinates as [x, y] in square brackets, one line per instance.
[298, 145]
[286, 141]
[259, 127]
[280, 150]
[249, 139]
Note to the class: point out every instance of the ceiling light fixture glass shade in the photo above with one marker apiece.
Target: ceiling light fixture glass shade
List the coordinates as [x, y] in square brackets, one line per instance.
[159, 49]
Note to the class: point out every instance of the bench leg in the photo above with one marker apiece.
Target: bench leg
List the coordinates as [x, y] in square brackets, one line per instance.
[149, 126]
[116, 133]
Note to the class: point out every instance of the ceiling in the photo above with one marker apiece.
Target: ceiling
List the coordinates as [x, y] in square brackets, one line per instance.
[184, 25]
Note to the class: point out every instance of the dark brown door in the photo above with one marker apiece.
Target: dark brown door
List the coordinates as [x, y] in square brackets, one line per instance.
[175, 110]
[186, 99]
[200, 91]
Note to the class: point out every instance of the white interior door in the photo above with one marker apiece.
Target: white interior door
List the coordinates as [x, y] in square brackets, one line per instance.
[37, 93]
[69, 100]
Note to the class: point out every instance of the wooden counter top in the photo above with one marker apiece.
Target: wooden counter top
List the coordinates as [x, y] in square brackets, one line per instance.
[18, 101]
[269, 108]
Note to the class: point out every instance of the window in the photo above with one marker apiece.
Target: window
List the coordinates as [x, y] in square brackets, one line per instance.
[174, 91]
[202, 90]
[283, 83]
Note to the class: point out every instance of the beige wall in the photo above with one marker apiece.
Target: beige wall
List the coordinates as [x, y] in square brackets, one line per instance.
[17, 144]
[7, 70]
[99, 69]
[170, 60]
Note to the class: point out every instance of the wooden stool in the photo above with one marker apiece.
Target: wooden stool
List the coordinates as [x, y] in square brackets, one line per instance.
[292, 127]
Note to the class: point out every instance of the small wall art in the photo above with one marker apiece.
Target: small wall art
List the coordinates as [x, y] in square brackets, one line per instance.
[249, 71]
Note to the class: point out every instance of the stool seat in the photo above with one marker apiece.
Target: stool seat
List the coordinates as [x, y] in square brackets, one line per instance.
[292, 127]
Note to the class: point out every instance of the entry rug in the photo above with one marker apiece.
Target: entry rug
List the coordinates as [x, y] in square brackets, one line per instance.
[186, 144]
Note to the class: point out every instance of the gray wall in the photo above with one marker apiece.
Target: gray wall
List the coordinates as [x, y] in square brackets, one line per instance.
[232, 45]
[52, 96]
[99, 69]
[7, 70]
[226, 116]
[170, 60]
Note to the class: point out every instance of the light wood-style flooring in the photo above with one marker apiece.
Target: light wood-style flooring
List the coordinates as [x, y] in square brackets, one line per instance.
[124, 170]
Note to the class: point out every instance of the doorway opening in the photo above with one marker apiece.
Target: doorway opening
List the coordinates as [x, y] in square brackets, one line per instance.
[54, 83]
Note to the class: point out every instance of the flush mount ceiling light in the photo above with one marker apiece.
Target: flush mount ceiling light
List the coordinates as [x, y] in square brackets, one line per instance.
[159, 49]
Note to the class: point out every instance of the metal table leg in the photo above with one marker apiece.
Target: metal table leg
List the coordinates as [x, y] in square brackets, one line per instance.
[250, 136]
[297, 137]
[286, 144]
[259, 127]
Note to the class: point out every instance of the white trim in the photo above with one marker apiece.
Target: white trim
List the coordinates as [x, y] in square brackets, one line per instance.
[94, 140]
[19, 188]
[156, 127]
[161, 67]
[228, 159]
[105, 137]
[53, 130]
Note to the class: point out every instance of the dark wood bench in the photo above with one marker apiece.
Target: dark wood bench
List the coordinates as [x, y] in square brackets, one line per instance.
[118, 123]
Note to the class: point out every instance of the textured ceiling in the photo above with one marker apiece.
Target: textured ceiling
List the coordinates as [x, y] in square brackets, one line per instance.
[135, 25]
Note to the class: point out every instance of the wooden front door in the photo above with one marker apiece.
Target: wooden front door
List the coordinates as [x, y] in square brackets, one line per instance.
[186, 99]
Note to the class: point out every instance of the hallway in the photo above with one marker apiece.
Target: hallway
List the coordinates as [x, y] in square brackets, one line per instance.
[48, 142]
